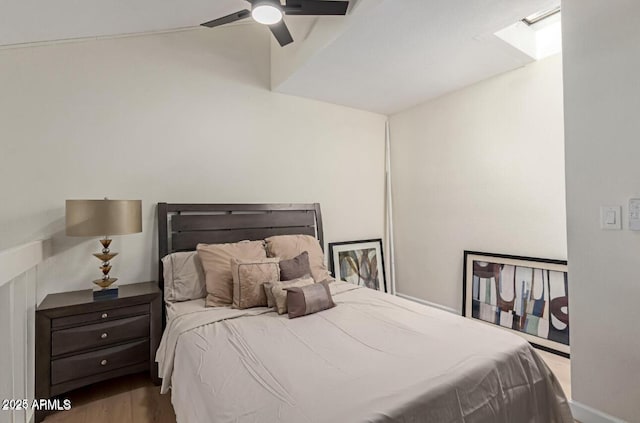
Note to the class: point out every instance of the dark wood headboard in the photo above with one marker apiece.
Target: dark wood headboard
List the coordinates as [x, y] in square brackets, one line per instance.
[182, 226]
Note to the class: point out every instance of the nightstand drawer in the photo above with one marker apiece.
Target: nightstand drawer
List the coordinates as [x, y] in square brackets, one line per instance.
[99, 316]
[104, 360]
[99, 334]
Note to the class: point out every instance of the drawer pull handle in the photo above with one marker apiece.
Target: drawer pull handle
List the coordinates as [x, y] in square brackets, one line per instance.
[103, 363]
[104, 335]
[105, 315]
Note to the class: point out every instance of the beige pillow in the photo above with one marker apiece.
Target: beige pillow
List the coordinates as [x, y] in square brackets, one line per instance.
[216, 261]
[183, 277]
[280, 294]
[248, 278]
[267, 291]
[289, 246]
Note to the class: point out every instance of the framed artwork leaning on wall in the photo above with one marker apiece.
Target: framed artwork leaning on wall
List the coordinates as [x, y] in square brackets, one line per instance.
[529, 296]
[359, 262]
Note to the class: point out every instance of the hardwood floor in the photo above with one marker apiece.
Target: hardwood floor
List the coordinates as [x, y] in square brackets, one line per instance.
[127, 399]
[561, 367]
[134, 399]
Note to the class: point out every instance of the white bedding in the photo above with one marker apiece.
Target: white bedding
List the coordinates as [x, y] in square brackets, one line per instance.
[374, 357]
[184, 307]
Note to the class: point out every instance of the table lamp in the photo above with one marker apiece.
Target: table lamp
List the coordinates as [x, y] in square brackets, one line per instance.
[103, 217]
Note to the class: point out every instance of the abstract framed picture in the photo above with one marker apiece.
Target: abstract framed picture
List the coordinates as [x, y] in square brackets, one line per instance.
[529, 296]
[359, 262]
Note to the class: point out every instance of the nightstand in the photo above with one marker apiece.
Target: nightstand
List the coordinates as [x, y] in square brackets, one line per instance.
[80, 341]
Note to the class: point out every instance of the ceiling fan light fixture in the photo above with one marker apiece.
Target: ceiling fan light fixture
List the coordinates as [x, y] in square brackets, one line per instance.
[267, 12]
[270, 13]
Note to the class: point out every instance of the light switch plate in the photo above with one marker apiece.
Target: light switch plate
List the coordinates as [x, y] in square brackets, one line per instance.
[611, 218]
[634, 214]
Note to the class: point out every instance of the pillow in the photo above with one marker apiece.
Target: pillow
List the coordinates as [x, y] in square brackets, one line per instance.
[308, 299]
[216, 261]
[248, 278]
[271, 302]
[183, 277]
[289, 246]
[295, 268]
[280, 295]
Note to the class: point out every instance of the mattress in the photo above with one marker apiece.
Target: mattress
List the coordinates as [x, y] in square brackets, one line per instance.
[372, 358]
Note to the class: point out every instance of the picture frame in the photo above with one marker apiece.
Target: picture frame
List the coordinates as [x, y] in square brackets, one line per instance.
[359, 262]
[525, 295]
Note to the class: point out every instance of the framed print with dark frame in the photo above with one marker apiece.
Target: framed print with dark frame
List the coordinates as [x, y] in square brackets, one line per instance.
[359, 262]
[529, 296]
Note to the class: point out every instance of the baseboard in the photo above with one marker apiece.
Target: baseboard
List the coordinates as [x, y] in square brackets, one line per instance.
[427, 303]
[585, 414]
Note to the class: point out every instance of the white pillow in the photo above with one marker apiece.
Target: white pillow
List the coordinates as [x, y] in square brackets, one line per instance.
[183, 277]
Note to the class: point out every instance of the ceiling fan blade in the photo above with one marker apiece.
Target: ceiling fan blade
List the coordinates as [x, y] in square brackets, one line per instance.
[281, 32]
[315, 7]
[228, 19]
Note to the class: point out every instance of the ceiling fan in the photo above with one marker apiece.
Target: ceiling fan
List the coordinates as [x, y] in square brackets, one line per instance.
[270, 13]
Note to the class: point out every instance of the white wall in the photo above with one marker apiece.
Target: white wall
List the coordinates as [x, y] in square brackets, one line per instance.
[602, 102]
[178, 117]
[479, 169]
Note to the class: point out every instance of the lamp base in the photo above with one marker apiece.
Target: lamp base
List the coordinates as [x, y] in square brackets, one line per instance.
[105, 283]
[105, 293]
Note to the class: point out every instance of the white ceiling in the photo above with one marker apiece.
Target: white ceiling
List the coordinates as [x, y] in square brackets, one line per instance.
[385, 57]
[27, 21]
[402, 53]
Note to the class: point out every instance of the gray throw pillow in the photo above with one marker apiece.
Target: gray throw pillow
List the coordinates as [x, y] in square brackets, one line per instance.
[297, 267]
[308, 299]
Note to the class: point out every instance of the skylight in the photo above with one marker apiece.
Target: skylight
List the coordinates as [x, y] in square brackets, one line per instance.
[538, 35]
[539, 16]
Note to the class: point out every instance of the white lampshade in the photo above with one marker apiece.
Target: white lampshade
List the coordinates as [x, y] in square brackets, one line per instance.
[267, 12]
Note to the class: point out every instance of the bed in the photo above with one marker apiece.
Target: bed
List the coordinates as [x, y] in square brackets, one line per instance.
[372, 358]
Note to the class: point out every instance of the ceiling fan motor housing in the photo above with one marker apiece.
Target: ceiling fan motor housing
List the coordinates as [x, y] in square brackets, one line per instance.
[270, 12]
